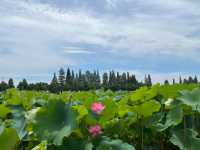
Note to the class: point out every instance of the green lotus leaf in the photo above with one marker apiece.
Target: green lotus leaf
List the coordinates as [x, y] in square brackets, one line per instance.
[27, 98]
[4, 111]
[82, 111]
[123, 107]
[108, 144]
[146, 109]
[185, 139]
[8, 139]
[13, 97]
[191, 98]
[172, 91]
[19, 121]
[86, 97]
[54, 121]
[174, 117]
[41, 146]
[109, 112]
[75, 144]
[143, 93]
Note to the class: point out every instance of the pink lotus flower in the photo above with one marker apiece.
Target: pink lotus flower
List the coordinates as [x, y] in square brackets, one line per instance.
[97, 107]
[95, 130]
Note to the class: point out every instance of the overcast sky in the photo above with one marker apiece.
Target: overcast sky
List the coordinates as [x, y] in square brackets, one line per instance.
[161, 37]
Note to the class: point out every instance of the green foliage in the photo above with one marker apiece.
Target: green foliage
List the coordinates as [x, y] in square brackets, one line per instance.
[191, 98]
[41, 146]
[148, 118]
[108, 144]
[76, 144]
[4, 111]
[147, 108]
[18, 121]
[8, 138]
[54, 121]
[143, 93]
[173, 118]
[82, 111]
[186, 139]
[109, 112]
[12, 97]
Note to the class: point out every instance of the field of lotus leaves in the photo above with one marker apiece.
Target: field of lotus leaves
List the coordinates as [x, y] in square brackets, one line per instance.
[157, 118]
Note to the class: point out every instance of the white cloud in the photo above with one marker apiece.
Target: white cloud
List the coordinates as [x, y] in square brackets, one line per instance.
[77, 50]
[38, 34]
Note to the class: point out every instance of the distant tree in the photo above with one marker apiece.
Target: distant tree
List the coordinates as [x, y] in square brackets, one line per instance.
[85, 78]
[112, 81]
[92, 80]
[105, 81]
[123, 81]
[134, 83]
[41, 86]
[147, 80]
[61, 79]
[73, 75]
[68, 75]
[54, 85]
[149, 83]
[173, 81]
[185, 81]
[68, 80]
[166, 82]
[11, 83]
[81, 80]
[31, 86]
[118, 81]
[195, 79]
[23, 85]
[97, 80]
[180, 80]
[3, 86]
[75, 83]
[190, 79]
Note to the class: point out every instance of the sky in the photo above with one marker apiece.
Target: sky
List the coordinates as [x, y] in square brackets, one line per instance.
[160, 37]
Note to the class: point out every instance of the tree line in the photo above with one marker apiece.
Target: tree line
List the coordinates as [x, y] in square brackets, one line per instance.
[70, 80]
[184, 80]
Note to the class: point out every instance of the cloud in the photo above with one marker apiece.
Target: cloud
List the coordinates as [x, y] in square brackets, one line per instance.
[40, 36]
[77, 50]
